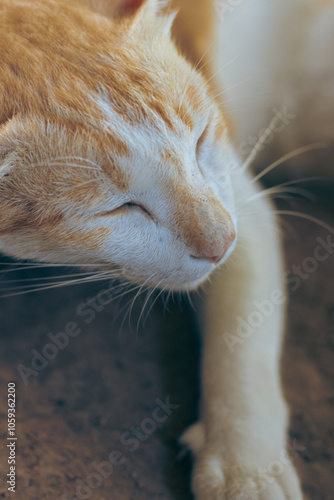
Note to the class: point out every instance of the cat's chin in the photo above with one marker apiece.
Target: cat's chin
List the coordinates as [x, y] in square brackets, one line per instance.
[193, 275]
[189, 286]
[171, 283]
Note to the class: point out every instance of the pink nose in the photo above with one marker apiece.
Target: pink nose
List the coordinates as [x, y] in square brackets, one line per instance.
[216, 254]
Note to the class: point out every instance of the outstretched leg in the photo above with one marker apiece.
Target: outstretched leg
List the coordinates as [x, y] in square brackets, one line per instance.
[240, 442]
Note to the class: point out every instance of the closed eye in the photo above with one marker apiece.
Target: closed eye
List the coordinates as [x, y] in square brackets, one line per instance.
[126, 207]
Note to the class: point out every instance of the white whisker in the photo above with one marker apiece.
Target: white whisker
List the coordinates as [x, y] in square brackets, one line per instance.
[221, 69]
[141, 289]
[45, 265]
[277, 192]
[253, 154]
[57, 285]
[289, 156]
[196, 68]
[146, 301]
[42, 278]
[154, 302]
[317, 221]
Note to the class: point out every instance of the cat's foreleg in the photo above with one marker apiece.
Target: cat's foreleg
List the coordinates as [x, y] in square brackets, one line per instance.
[240, 444]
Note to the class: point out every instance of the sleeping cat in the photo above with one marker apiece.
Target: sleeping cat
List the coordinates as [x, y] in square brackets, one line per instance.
[116, 154]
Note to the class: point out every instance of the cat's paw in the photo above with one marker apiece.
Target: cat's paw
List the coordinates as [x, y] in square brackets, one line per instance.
[219, 475]
[215, 479]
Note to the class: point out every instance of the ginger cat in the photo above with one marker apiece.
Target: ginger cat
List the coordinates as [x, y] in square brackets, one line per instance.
[116, 154]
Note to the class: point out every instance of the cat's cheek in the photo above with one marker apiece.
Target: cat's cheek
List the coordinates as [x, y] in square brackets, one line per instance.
[155, 259]
[144, 251]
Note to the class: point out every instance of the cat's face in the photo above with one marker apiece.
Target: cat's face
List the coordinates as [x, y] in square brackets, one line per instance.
[113, 155]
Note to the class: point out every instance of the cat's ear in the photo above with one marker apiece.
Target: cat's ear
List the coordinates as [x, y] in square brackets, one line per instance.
[141, 7]
[146, 15]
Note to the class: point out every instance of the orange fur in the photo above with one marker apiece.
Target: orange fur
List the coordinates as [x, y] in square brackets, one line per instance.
[75, 76]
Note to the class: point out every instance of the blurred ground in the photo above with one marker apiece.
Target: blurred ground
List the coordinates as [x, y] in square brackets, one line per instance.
[109, 380]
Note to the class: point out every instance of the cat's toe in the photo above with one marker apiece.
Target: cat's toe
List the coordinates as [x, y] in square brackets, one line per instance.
[193, 439]
[290, 484]
[215, 480]
[209, 481]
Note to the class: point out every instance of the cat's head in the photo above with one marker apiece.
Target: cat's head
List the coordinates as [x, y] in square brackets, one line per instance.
[112, 147]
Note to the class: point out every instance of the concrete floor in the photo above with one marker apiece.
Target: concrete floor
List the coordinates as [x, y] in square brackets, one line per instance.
[109, 379]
